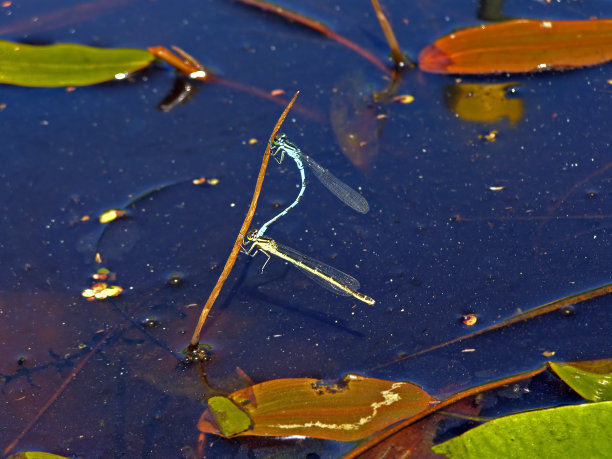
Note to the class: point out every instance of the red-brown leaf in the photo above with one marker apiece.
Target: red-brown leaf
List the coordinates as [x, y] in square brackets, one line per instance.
[348, 411]
[518, 46]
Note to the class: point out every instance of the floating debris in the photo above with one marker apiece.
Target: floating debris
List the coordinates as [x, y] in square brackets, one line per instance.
[111, 215]
[469, 319]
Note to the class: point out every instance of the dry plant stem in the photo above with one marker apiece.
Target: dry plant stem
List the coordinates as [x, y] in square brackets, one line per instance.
[396, 52]
[165, 54]
[364, 447]
[314, 25]
[229, 264]
[57, 393]
[189, 65]
[530, 314]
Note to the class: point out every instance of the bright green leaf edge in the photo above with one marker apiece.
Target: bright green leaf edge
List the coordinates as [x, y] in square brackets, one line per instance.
[230, 419]
[592, 385]
[581, 431]
[66, 64]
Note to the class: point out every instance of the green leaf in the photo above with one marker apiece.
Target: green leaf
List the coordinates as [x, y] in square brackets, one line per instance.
[591, 379]
[35, 455]
[230, 419]
[570, 431]
[66, 64]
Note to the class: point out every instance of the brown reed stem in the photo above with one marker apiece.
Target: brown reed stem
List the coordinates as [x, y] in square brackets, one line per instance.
[396, 52]
[229, 264]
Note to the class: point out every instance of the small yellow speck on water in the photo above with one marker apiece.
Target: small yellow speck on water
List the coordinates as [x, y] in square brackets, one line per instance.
[2, 106]
[491, 136]
[100, 291]
[252, 141]
[404, 99]
[382, 116]
[548, 353]
[88, 293]
[277, 92]
[85, 218]
[111, 215]
[496, 188]
[213, 181]
[609, 81]
[98, 258]
[199, 181]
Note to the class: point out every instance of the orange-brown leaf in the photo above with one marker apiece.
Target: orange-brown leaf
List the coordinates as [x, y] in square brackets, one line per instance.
[351, 410]
[522, 45]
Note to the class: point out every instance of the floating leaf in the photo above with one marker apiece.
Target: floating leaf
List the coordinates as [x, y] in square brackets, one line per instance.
[230, 419]
[35, 455]
[522, 45]
[591, 379]
[353, 409]
[485, 103]
[568, 431]
[66, 64]
[416, 440]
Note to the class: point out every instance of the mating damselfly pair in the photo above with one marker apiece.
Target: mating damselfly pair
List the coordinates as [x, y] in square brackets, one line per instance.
[327, 276]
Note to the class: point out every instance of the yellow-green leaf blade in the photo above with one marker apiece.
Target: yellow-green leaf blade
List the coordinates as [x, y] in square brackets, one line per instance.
[230, 419]
[35, 455]
[591, 379]
[569, 431]
[66, 64]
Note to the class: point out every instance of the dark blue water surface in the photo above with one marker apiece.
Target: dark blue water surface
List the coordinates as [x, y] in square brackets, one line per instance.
[67, 155]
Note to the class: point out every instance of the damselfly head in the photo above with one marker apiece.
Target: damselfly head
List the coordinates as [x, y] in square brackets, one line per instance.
[251, 234]
[278, 138]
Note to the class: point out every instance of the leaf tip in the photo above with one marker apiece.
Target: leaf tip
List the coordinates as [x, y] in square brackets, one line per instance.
[434, 60]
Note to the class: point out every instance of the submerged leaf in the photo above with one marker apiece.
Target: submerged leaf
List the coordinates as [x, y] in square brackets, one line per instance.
[485, 103]
[354, 121]
[416, 440]
[67, 64]
[348, 411]
[591, 379]
[568, 431]
[522, 45]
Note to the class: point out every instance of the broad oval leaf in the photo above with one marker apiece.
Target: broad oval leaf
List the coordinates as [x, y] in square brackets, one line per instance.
[351, 410]
[568, 431]
[591, 379]
[66, 64]
[522, 45]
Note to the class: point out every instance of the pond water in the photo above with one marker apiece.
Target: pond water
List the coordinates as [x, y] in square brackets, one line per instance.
[459, 222]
